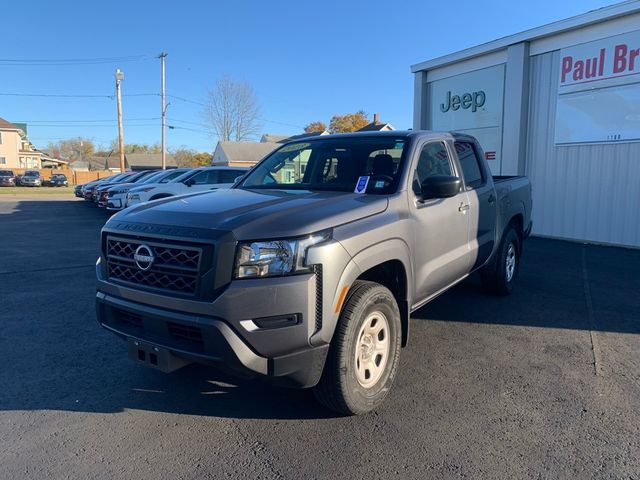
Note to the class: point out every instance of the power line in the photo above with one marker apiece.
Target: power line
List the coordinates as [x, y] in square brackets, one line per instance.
[36, 122]
[58, 95]
[94, 125]
[186, 100]
[72, 61]
[187, 122]
[65, 95]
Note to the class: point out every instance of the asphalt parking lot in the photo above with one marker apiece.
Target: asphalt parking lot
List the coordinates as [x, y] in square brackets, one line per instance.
[542, 384]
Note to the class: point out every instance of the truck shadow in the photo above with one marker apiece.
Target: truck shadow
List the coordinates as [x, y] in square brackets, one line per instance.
[560, 285]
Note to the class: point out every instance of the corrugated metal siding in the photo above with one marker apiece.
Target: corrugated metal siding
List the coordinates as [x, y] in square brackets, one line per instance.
[582, 192]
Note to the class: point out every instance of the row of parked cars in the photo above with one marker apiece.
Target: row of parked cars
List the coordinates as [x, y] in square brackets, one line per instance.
[130, 188]
[32, 178]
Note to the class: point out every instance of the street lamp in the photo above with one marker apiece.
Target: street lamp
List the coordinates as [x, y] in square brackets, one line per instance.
[119, 78]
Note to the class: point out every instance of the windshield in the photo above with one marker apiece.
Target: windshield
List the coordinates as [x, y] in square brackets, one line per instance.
[58, 176]
[31, 174]
[138, 177]
[153, 178]
[186, 175]
[344, 164]
[114, 178]
[6, 173]
[172, 175]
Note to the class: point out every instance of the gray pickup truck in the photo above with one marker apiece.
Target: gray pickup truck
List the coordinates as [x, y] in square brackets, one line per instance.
[305, 272]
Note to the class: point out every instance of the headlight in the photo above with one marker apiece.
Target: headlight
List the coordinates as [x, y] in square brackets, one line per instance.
[276, 257]
[117, 192]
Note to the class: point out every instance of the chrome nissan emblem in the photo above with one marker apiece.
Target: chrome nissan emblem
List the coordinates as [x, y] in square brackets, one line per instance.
[144, 257]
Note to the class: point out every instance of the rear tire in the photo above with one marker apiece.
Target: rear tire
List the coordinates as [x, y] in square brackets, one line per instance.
[364, 353]
[499, 277]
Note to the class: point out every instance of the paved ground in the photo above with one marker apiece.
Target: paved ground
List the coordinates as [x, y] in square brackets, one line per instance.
[488, 387]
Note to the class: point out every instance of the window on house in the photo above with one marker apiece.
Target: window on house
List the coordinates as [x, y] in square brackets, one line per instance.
[0, 138]
[3, 161]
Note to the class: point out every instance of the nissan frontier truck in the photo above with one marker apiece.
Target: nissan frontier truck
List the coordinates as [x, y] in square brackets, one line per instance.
[306, 271]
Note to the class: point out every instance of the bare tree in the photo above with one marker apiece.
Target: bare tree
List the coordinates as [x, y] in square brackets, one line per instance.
[72, 149]
[232, 110]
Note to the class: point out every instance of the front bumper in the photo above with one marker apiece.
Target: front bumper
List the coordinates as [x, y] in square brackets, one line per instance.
[116, 202]
[225, 332]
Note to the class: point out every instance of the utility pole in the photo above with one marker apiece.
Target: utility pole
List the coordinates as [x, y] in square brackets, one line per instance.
[119, 78]
[163, 55]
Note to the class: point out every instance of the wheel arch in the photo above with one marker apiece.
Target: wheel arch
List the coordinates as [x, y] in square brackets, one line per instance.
[387, 263]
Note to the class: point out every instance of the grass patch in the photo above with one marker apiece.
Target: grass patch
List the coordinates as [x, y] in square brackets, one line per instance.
[36, 190]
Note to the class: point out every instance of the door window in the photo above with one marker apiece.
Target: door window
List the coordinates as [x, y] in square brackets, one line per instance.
[434, 160]
[229, 176]
[203, 178]
[470, 164]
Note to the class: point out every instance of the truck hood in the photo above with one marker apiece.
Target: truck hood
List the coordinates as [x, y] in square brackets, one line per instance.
[256, 214]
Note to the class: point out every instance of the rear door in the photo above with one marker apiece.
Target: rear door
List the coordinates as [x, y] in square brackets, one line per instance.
[482, 201]
[205, 180]
[441, 233]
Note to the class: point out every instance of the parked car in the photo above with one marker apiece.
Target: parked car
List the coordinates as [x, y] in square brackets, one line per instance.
[58, 180]
[117, 195]
[306, 271]
[196, 180]
[7, 178]
[31, 178]
[88, 189]
[77, 191]
[103, 190]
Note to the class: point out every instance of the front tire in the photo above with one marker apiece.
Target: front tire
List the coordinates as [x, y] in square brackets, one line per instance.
[363, 357]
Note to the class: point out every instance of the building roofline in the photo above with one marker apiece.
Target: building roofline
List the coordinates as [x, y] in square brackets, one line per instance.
[584, 19]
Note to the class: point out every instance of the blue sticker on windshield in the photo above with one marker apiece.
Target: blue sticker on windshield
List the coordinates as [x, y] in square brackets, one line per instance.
[380, 184]
[361, 186]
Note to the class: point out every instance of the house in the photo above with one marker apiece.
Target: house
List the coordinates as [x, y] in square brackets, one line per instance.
[377, 126]
[247, 154]
[132, 161]
[241, 154]
[146, 161]
[271, 138]
[16, 151]
[48, 161]
[268, 137]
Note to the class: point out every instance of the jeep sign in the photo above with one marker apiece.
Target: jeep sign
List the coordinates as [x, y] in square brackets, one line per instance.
[466, 100]
[471, 103]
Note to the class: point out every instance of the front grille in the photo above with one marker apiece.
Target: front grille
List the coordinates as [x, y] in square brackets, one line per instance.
[175, 268]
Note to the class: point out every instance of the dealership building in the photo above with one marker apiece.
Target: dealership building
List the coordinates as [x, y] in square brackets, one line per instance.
[559, 103]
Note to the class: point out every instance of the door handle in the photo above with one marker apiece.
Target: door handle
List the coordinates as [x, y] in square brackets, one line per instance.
[463, 207]
[492, 198]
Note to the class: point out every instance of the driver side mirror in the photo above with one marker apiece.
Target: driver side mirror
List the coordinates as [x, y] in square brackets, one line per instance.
[440, 186]
[190, 181]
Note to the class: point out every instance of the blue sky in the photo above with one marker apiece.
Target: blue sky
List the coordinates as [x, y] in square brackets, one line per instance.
[305, 60]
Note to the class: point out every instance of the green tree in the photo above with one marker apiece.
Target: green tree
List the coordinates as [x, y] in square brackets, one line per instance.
[349, 122]
[186, 157]
[183, 156]
[135, 147]
[202, 159]
[317, 126]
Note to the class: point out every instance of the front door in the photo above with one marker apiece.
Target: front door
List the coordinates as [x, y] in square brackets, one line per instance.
[441, 247]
